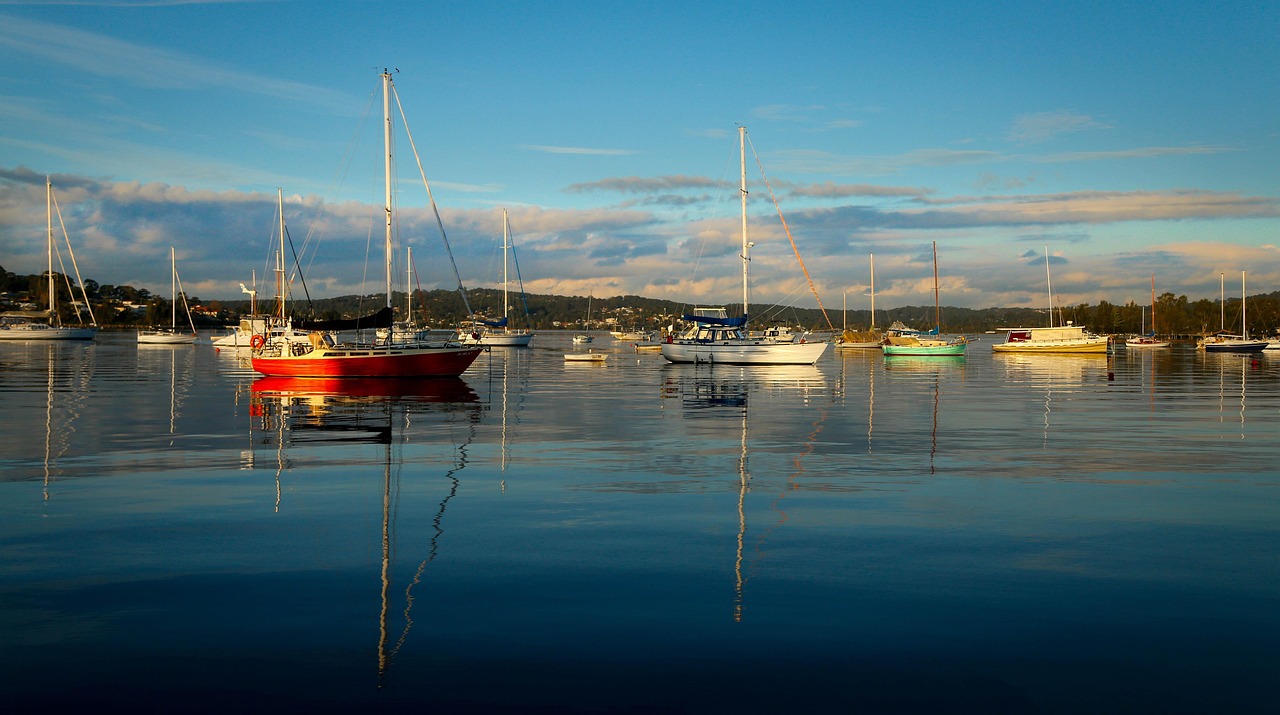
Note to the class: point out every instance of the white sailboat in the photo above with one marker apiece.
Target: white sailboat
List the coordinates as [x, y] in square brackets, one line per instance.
[23, 325]
[584, 337]
[1148, 340]
[715, 339]
[499, 333]
[171, 335]
[1224, 342]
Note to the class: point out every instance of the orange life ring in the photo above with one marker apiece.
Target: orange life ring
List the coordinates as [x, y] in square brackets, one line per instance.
[257, 341]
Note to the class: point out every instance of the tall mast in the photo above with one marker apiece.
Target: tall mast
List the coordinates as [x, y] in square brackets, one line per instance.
[1048, 282]
[506, 248]
[1153, 304]
[937, 312]
[746, 247]
[1222, 302]
[408, 286]
[873, 292]
[1244, 329]
[386, 143]
[280, 281]
[48, 200]
[173, 290]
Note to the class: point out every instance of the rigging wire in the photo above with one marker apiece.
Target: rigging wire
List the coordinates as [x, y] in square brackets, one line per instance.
[787, 229]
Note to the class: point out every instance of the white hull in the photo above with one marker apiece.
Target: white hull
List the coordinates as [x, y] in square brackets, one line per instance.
[40, 331]
[165, 338]
[1146, 343]
[497, 340]
[743, 353]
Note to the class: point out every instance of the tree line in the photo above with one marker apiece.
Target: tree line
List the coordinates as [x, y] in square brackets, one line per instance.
[126, 305]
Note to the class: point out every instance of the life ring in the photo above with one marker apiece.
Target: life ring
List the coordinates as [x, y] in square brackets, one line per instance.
[257, 341]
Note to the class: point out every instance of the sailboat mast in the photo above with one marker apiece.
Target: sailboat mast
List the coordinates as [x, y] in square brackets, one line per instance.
[386, 143]
[873, 292]
[746, 247]
[506, 248]
[1153, 304]
[1244, 326]
[173, 290]
[280, 279]
[48, 200]
[937, 311]
[408, 286]
[1049, 282]
[1222, 302]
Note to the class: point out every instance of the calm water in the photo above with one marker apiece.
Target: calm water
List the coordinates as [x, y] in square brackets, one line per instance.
[996, 534]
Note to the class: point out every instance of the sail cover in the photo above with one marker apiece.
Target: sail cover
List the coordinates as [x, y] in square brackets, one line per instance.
[380, 319]
[709, 320]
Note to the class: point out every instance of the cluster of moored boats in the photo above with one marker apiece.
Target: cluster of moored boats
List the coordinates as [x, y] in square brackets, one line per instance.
[280, 346]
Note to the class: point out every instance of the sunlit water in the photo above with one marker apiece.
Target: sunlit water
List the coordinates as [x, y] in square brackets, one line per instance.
[990, 534]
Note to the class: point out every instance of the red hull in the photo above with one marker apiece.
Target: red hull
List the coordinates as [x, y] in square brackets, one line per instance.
[376, 362]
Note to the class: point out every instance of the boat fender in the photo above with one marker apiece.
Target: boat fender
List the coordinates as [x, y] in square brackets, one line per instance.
[670, 340]
[257, 341]
[475, 336]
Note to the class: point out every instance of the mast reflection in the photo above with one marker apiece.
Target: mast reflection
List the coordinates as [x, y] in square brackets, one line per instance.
[724, 393]
[320, 411]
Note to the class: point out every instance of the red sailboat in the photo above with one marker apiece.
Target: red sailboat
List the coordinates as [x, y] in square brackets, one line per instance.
[317, 354]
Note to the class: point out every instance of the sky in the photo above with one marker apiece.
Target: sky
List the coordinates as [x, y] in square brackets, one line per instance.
[1128, 140]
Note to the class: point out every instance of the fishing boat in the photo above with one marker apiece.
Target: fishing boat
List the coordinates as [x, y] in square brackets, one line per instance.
[319, 355]
[1224, 342]
[1145, 339]
[47, 325]
[869, 339]
[171, 335]
[499, 333]
[1066, 338]
[725, 340]
[932, 342]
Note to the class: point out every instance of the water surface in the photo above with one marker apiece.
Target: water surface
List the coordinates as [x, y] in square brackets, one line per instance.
[991, 534]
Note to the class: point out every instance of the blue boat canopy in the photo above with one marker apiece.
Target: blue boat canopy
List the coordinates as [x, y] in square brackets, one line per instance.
[495, 323]
[708, 320]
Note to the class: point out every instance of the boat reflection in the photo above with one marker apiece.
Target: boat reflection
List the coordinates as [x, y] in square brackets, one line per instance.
[932, 368]
[322, 390]
[310, 411]
[931, 364]
[722, 398]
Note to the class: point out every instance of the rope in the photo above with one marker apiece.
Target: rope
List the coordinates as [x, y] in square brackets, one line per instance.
[794, 248]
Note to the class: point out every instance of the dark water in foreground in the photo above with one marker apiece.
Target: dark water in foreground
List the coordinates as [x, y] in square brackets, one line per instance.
[997, 534]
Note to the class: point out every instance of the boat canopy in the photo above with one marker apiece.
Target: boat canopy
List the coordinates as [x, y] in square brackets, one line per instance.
[711, 320]
[381, 319]
[494, 323]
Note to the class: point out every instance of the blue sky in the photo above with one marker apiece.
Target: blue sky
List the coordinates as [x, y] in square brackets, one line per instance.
[1129, 138]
